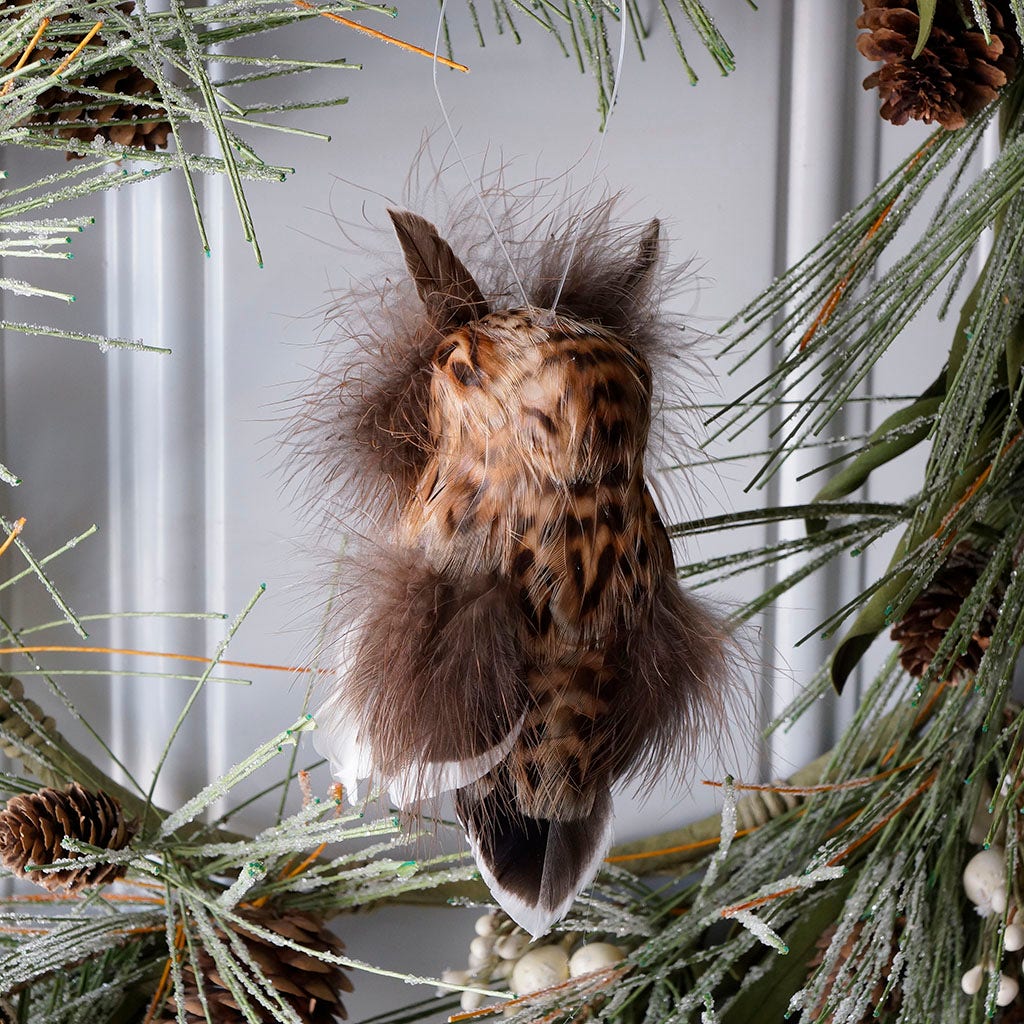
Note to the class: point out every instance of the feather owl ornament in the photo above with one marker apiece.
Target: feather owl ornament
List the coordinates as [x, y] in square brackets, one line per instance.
[515, 630]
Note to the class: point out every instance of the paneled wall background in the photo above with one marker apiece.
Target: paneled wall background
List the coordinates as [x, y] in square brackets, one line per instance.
[176, 458]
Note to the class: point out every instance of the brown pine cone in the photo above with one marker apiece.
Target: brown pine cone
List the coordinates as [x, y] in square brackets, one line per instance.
[77, 115]
[311, 987]
[955, 75]
[33, 825]
[923, 628]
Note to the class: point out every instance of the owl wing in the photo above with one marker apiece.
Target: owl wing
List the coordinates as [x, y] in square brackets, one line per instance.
[431, 693]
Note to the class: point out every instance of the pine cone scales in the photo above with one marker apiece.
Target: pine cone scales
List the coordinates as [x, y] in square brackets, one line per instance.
[75, 114]
[310, 986]
[923, 628]
[957, 73]
[33, 825]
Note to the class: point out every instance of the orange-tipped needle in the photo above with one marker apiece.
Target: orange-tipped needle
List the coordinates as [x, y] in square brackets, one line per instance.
[72, 648]
[837, 293]
[24, 57]
[15, 530]
[975, 487]
[381, 36]
[78, 49]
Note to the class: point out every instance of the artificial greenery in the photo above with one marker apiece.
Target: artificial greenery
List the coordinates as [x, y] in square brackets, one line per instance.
[877, 833]
[202, 59]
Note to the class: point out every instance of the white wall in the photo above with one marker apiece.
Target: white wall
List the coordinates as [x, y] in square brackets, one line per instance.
[175, 458]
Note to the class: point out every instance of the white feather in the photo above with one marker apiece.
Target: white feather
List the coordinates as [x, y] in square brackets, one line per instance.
[337, 736]
[426, 781]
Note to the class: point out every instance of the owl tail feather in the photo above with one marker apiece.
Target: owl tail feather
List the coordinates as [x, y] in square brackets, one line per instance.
[534, 867]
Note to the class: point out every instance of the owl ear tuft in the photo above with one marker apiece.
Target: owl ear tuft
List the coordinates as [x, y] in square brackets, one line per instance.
[648, 250]
[442, 281]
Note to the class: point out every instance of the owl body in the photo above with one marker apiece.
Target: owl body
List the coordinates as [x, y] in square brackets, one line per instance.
[537, 476]
[525, 642]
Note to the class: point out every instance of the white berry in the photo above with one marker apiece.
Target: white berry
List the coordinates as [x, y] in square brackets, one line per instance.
[540, 968]
[481, 947]
[503, 969]
[593, 957]
[484, 925]
[972, 980]
[471, 1001]
[1013, 938]
[1008, 989]
[453, 978]
[511, 947]
[985, 881]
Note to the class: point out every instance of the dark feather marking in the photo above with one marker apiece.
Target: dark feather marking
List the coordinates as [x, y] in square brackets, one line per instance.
[610, 513]
[466, 375]
[612, 434]
[578, 573]
[610, 390]
[522, 562]
[615, 476]
[591, 599]
[544, 622]
[643, 553]
[543, 418]
[576, 528]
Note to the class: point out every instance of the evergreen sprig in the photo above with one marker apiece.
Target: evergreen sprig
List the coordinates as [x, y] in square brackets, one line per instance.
[101, 954]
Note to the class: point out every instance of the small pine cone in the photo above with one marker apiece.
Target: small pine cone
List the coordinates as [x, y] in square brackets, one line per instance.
[955, 75]
[33, 825]
[879, 1000]
[923, 628]
[77, 115]
[310, 986]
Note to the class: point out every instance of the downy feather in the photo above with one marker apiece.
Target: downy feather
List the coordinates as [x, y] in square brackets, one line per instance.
[512, 628]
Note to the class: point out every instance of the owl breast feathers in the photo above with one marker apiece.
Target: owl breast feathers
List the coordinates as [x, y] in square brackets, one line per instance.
[520, 637]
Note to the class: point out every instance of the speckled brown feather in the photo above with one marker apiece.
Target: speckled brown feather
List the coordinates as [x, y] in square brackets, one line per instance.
[524, 638]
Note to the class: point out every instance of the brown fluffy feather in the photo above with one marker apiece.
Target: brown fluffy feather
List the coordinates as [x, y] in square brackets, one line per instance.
[522, 636]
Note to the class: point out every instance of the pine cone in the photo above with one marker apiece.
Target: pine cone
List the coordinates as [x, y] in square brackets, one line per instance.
[879, 1001]
[922, 629]
[33, 825]
[955, 75]
[311, 987]
[77, 115]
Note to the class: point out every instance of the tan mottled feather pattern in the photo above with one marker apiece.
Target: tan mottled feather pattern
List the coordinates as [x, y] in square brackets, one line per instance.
[522, 638]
